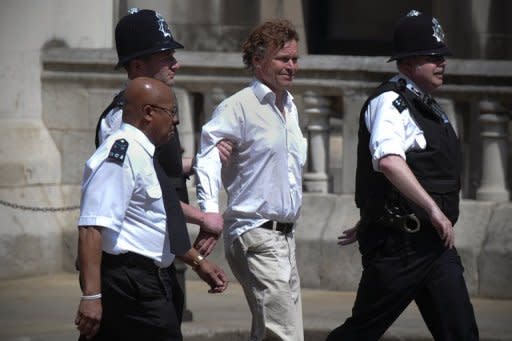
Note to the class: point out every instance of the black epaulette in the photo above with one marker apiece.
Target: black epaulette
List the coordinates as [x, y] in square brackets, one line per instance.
[400, 104]
[117, 153]
[117, 102]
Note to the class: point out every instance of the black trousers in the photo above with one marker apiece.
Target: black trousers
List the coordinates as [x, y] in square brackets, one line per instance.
[138, 301]
[400, 267]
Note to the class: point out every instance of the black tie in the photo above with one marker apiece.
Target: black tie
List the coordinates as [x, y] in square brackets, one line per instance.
[176, 225]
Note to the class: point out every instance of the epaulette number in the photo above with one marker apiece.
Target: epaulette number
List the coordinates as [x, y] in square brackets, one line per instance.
[399, 104]
[118, 151]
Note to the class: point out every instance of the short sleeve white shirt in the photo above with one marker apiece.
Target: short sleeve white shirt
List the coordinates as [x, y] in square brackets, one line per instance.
[392, 132]
[125, 198]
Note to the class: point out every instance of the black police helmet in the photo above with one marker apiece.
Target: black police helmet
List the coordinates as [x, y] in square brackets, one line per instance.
[418, 34]
[140, 33]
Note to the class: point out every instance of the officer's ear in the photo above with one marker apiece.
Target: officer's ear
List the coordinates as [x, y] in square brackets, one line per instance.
[407, 65]
[136, 68]
[147, 113]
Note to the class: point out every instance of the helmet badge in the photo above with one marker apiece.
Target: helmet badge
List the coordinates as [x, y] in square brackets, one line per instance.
[413, 13]
[437, 31]
[162, 26]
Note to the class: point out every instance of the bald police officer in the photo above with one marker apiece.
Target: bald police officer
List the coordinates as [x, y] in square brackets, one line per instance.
[407, 190]
[124, 244]
[146, 47]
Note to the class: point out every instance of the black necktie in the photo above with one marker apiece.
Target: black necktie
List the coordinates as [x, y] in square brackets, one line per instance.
[176, 224]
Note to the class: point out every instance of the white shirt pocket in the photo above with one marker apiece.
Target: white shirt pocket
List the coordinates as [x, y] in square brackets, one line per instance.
[154, 192]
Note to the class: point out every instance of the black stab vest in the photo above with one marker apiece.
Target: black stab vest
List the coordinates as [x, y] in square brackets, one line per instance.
[437, 168]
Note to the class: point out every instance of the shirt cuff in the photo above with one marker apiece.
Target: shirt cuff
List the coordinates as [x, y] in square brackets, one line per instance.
[99, 221]
[209, 206]
[384, 149]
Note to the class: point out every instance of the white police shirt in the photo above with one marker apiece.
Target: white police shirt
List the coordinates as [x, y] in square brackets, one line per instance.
[125, 199]
[110, 123]
[392, 132]
[263, 177]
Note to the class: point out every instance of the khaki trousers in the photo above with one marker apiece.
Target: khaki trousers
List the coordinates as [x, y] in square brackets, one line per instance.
[264, 263]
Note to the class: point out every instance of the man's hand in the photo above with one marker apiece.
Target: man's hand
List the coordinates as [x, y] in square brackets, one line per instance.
[225, 148]
[349, 236]
[213, 275]
[205, 242]
[400, 175]
[443, 226]
[88, 317]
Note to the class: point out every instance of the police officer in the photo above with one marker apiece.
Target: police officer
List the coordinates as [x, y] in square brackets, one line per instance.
[407, 190]
[145, 47]
[124, 244]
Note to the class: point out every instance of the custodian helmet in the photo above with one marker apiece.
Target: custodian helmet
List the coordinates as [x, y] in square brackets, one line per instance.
[418, 34]
[140, 33]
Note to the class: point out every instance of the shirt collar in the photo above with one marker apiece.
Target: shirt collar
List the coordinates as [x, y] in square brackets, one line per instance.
[261, 91]
[139, 137]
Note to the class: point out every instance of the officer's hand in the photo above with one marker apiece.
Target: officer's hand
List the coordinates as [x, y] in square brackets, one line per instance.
[349, 236]
[205, 242]
[88, 317]
[225, 148]
[443, 226]
[213, 275]
[212, 222]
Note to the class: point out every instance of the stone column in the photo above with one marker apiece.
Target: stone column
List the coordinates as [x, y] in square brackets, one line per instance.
[494, 123]
[449, 109]
[212, 100]
[352, 103]
[186, 127]
[317, 108]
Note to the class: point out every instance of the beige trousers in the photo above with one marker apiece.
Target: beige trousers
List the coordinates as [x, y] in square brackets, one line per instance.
[264, 263]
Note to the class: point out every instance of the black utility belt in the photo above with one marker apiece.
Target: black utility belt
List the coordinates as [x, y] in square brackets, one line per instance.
[394, 217]
[129, 259]
[277, 226]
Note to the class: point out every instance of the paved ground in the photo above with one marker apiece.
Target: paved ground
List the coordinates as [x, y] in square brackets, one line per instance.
[43, 309]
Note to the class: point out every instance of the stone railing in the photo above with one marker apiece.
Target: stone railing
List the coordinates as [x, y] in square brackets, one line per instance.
[329, 91]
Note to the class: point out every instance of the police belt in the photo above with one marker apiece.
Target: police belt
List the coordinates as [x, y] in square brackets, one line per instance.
[277, 226]
[394, 217]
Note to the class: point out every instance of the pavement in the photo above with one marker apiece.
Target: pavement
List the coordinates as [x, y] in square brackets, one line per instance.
[43, 309]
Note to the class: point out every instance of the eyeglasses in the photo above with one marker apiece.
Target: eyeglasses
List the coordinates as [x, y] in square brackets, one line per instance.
[171, 112]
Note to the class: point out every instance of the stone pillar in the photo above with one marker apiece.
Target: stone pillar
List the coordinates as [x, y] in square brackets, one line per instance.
[352, 103]
[449, 109]
[212, 100]
[317, 108]
[186, 127]
[494, 123]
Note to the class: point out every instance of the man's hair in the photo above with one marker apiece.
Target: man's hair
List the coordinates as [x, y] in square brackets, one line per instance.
[270, 34]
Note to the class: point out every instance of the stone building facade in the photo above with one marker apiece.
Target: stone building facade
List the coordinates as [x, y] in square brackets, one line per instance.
[57, 75]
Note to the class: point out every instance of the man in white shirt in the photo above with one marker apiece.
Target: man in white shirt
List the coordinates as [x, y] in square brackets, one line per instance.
[263, 180]
[124, 244]
[407, 190]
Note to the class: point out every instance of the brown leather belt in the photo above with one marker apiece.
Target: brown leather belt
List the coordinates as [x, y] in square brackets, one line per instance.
[276, 226]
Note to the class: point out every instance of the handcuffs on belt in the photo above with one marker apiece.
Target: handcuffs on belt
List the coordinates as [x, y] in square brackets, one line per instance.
[394, 217]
